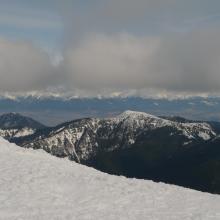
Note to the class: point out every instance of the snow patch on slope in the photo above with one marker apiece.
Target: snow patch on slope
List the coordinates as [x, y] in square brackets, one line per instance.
[11, 133]
[146, 121]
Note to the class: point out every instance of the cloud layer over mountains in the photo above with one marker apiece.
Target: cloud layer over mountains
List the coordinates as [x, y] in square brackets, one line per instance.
[118, 46]
[188, 62]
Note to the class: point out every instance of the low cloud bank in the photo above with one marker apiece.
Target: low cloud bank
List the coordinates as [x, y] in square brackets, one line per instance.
[187, 63]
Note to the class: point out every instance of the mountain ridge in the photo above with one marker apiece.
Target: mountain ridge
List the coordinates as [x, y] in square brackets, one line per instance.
[15, 121]
[121, 130]
[137, 144]
[15, 125]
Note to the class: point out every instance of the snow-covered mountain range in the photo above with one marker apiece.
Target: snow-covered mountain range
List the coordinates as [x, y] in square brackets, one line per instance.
[82, 139]
[135, 144]
[35, 185]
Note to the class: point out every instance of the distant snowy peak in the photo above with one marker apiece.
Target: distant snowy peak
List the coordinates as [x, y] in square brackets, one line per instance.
[17, 121]
[142, 119]
[135, 115]
[14, 125]
[145, 121]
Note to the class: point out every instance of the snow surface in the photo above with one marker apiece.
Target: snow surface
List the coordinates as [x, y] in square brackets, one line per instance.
[36, 185]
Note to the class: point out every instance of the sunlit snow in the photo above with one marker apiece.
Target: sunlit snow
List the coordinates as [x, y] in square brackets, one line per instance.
[36, 185]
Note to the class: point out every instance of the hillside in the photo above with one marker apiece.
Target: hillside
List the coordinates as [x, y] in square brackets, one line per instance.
[82, 139]
[17, 121]
[139, 145]
[14, 125]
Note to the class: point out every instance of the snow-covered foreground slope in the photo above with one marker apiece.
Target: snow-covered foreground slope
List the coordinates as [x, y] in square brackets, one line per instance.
[35, 185]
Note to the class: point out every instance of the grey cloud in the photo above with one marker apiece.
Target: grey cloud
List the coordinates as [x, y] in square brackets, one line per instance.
[178, 49]
[189, 62]
[24, 67]
[181, 62]
[109, 61]
[101, 64]
[139, 16]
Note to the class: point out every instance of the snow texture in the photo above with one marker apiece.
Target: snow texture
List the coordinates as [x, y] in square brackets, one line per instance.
[36, 185]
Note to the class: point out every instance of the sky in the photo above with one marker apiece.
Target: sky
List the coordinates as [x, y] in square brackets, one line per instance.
[158, 48]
